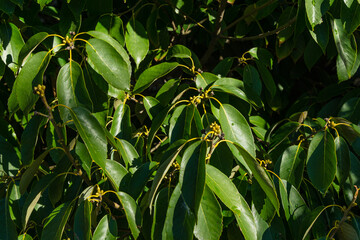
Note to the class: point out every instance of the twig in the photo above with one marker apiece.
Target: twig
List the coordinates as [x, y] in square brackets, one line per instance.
[215, 33]
[262, 35]
[346, 212]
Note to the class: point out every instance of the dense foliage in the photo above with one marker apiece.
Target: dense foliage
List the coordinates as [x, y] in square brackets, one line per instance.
[179, 119]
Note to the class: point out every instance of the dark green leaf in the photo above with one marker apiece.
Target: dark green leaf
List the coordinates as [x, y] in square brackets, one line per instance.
[160, 208]
[167, 91]
[82, 221]
[321, 160]
[343, 159]
[121, 124]
[151, 74]
[8, 229]
[180, 123]
[320, 34]
[350, 16]
[252, 84]
[204, 79]
[112, 25]
[115, 172]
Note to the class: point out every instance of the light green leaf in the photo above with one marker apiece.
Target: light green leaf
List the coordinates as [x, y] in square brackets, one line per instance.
[226, 191]
[71, 89]
[55, 225]
[209, 218]
[321, 160]
[109, 63]
[92, 134]
[106, 229]
[132, 212]
[30, 76]
[43, 3]
[11, 43]
[147, 77]
[137, 42]
[315, 10]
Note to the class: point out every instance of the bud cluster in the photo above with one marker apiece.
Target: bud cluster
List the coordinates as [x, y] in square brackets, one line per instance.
[40, 90]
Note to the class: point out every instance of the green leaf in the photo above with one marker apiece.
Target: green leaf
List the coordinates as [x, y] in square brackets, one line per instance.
[115, 172]
[312, 54]
[252, 84]
[235, 127]
[344, 45]
[106, 229]
[92, 134]
[282, 134]
[209, 218]
[167, 91]
[109, 63]
[82, 221]
[112, 25]
[260, 175]
[43, 3]
[29, 139]
[147, 77]
[230, 89]
[222, 158]
[291, 165]
[24, 236]
[71, 89]
[9, 159]
[163, 169]
[204, 79]
[121, 124]
[315, 9]
[343, 160]
[350, 15]
[55, 225]
[152, 106]
[30, 45]
[266, 78]
[192, 175]
[321, 160]
[320, 34]
[178, 51]
[179, 222]
[135, 186]
[7, 7]
[8, 229]
[223, 67]
[31, 75]
[137, 42]
[226, 191]
[152, 28]
[83, 155]
[132, 212]
[28, 175]
[180, 123]
[11, 43]
[160, 209]
[350, 110]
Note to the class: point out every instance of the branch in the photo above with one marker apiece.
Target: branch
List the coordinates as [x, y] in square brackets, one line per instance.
[262, 35]
[215, 33]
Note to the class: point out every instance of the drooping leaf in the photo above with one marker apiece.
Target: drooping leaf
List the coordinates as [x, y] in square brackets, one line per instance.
[180, 123]
[121, 125]
[8, 229]
[321, 160]
[252, 84]
[343, 159]
[136, 40]
[71, 89]
[226, 191]
[82, 221]
[92, 133]
[315, 10]
[160, 209]
[209, 218]
[30, 45]
[109, 63]
[147, 77]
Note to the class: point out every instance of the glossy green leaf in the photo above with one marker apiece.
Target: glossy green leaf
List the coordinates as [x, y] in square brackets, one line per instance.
[237, 92]
[260, 175]
[31, 44]
[235, 127]
[261, 202]
[291, 165]
[112, 25]
[160, 209]
[56, 221]
[135, 186]
[115, 172]
[192, 175]
[223, 67]
[28, 175]
[136, 40]
[109, 63]
[8, 229]
[180, 221]
[350, 15]
[25, 236]
[71, 89]
[282, 133]
[163, 169]
[121, 124]
[92, 134]
[147, 77]
[9, 159]
[155, 125]
[344, 45]
[152, 106]
[29, 139]
[12, 42]
[350, 110]
[30, 76]
[132, 212]
[178, 51]
[226, 191]
[315, 10]
[343, 160]
[321, 35]
[106, 229]
[84, 157]
[266, 78]
[222, 158]
[167, 91]
[82, 221]
[204, 79]
[209, 218]
[252, 84]
[180, 123]
[321, 160]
